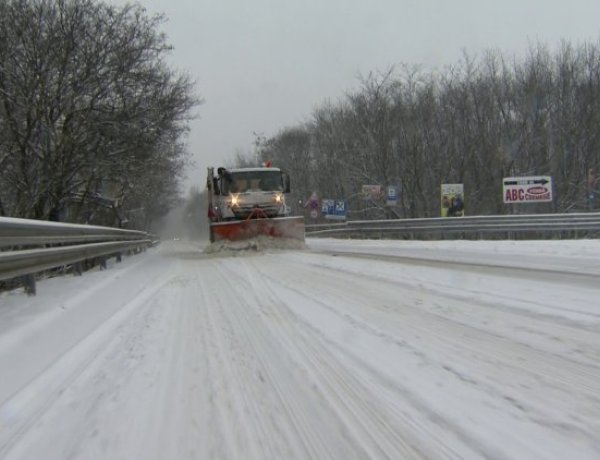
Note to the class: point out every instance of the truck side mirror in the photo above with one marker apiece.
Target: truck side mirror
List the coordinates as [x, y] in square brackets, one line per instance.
[286, 182]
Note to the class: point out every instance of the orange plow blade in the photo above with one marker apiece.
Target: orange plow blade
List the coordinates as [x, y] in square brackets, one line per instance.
[279, 227]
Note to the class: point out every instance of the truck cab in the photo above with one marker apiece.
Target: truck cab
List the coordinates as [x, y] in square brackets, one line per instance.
[243, 193]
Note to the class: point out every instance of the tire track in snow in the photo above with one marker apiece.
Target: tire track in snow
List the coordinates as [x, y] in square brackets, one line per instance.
[567, 277]
[398, 423]
[501, 269]
[350, 399]
[24, 410]
[486, 348]
[578, 376]
[269, 384]
[465, 305]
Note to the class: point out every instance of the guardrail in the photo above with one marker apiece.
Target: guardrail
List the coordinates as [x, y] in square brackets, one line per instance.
[31, 246]
[451, 226]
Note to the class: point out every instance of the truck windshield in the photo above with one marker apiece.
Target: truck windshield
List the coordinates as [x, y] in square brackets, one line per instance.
[246, 181]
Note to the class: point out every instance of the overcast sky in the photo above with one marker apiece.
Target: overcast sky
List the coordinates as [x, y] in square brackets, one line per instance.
[262, 65]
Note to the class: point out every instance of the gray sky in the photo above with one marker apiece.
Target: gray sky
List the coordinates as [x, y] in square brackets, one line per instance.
[262, 65]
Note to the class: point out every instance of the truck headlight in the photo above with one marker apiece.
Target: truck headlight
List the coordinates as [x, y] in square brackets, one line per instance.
[234, 200]
[278, 198]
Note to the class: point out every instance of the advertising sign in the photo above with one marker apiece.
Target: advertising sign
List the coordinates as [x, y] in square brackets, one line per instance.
[452, 200]
[372, 192]
[527, 189]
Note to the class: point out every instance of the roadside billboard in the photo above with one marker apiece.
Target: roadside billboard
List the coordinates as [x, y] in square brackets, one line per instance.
[452, 200]
[372, 192]
[527, 189]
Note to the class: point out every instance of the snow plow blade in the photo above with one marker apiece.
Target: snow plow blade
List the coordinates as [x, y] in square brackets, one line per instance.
[280, 227]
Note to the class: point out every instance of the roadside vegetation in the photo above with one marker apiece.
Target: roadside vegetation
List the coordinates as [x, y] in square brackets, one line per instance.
[93, 121]
[485, 118]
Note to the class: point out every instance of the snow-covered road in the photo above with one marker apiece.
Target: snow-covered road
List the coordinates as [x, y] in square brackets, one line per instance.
[344, 350]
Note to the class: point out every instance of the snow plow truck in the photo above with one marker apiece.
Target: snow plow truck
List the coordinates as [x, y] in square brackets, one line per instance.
[245, 203]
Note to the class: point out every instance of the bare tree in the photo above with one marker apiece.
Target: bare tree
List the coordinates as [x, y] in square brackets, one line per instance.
[88, 106]
[476, 122]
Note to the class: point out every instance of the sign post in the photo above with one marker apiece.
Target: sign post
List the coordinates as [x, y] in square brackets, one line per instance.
[312, 204]
[592, 188]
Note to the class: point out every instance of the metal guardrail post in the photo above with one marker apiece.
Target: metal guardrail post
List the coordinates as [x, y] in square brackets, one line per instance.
[29, 284]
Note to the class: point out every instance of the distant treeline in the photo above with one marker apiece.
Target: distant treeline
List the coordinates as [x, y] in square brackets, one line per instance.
[92, 120]
[485, 118]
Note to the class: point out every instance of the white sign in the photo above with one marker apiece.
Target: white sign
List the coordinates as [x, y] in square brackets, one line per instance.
[528, 189]
[392, 196]
[452, 189]
[327, 206]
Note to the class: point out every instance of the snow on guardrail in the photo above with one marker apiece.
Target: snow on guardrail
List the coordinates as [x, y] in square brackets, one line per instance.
[510, 223]
[30, 246]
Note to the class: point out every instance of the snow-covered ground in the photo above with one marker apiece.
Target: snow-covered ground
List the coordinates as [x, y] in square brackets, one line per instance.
[345, 349]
